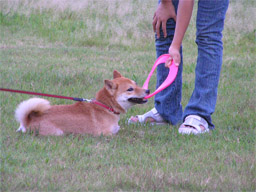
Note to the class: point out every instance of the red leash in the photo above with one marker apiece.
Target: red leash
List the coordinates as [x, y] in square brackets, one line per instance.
[62, 97]
[43, 94]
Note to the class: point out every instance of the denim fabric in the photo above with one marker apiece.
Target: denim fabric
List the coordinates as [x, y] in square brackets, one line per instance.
[209, 24]
[168, 101]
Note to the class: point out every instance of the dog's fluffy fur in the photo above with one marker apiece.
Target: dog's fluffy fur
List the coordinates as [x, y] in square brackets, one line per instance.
[120, 94]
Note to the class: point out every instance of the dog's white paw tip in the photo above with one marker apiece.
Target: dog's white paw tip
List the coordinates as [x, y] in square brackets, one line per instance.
[21, 129]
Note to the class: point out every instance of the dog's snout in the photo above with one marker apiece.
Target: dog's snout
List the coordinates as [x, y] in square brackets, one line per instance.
[147, 91]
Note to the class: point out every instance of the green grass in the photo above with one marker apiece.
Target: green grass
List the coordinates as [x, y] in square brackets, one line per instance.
[69, 49]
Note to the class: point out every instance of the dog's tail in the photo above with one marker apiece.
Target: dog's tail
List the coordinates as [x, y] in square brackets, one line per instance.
[34, 106]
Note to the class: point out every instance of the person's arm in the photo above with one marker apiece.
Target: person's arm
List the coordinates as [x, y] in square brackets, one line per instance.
[165, 10]
[184, 14]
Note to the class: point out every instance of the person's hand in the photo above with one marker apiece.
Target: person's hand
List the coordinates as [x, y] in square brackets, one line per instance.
[174, 56]
[165, 11]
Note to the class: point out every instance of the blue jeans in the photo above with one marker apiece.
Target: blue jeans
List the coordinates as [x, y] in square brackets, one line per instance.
[209, 25]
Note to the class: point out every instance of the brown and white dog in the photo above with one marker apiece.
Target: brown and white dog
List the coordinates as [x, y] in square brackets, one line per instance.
[99, 117]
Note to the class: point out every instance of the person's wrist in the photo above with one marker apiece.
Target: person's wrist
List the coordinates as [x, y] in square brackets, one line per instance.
[175, 46]
[166, 3]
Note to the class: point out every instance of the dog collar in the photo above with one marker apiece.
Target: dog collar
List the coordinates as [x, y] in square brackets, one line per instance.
[104, 106]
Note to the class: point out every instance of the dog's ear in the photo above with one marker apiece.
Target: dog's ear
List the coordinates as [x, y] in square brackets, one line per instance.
[110, 86]
[116, 74]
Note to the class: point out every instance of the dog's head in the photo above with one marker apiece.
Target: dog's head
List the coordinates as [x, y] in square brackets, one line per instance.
[125, 91]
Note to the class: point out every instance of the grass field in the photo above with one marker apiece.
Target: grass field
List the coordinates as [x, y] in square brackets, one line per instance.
[69, 47]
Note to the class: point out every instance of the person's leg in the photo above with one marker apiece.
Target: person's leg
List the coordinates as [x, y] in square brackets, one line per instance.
[209, 24]
[168, 101]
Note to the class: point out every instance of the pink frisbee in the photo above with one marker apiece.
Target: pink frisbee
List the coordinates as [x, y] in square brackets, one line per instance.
[173, 70]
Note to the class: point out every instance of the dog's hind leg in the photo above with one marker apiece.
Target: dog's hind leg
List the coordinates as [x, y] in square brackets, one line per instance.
[49, 129]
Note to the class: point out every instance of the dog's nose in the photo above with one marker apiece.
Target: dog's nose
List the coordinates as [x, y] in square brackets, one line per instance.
[147, 91]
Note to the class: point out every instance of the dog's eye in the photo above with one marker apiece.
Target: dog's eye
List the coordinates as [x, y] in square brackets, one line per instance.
[130, 89]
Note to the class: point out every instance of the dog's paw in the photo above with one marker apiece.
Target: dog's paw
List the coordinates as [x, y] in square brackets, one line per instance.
[21, 129]
[115, 129]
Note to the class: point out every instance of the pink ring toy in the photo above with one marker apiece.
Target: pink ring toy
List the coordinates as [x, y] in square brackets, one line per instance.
[173, 70]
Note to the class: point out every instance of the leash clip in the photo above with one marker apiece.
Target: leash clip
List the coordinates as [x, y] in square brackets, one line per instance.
[82, 99]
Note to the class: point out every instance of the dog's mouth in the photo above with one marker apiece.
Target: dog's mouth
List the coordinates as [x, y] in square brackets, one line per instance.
[138, 100]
